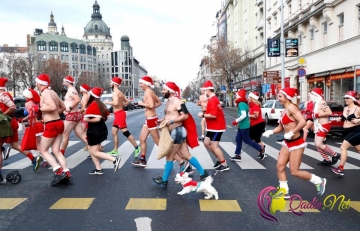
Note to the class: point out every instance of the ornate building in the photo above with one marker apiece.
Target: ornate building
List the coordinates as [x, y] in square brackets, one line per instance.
[97, 33]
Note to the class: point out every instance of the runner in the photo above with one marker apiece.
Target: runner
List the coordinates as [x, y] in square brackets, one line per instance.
[215, 126]
[72, 113]
[151, 101]
[309, 108]
[96, 115]
[175, 114]
[243, 123]
[8, 107]
[51, 106]
[118, 102]
[257, 122]
[320, 115]
[351, 118]
[291, 122]
[202, 103]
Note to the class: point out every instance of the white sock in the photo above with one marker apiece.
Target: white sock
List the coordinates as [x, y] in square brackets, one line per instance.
[315, 179]
[202, 136]
[56, 168]
[284, 185]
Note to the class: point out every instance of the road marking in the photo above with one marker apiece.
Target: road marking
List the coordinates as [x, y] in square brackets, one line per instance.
[73, 203]
[219, 206]
[146, 204]
[228, 126]
[274, 154]
[355, 205]
[294, 207]
[247, 162]
[78, 157]
[10, 203]
[351, 154]
[143, 223]
[203, 156]
[125, 150]
[153, 162]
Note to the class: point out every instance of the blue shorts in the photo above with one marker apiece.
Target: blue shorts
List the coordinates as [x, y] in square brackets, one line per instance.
[178, 134]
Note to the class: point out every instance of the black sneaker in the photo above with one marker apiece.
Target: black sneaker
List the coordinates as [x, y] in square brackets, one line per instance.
[159, 181]
[189, 170]
[262, 154]
[96, 172]
[89, 157]
[335, 159]
[116, 164]
[201, 138]
[287, 196]
[140, 162]
[204, 176]
[325, 163]
[217, 164]
[236, 158]
[58, 179]
[222, 168]
[68, 177]
[2, 180]
[6, 152]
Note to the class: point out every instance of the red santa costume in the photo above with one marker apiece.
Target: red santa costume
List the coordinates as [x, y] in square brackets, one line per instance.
[150, 122]
[33, 103]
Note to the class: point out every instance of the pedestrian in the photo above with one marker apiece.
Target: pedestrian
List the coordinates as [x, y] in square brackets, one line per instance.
[257, 122]
[351, 119]
[202, 103]
[96, 115]
[51, 106]
[150, 103]
[176, 113]
[293, 145]
[215, 126]
[85, 95]
[243, 123]
[118, 102]
[320, 115]
[309, 108]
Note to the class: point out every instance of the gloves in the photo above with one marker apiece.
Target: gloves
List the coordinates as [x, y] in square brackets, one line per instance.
[288, 135]
[234, 123]
[315, 115]
[268, 133]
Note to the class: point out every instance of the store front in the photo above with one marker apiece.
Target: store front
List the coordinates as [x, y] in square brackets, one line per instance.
[340, 84]
[317, 82]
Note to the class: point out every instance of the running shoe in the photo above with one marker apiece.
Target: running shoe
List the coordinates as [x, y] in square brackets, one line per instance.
[2, 181]
[113, 153]
[58, 177]
[137, 151]
[45, 164]
[338, 171]
[86, 148]
[236, 158]
[159, 181]
[140, 162]
[222, 168]
[6, 152]
[189, 170]
[116, 164]
[68, 177]
[96, 172]
[217, 164]
[325, 163]
[36, 162]
[335, 159]
[204, 176]
[184, 166]
[321, 187]
[201, 138]
[89, 156]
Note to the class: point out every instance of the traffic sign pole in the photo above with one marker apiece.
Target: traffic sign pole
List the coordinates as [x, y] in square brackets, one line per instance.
[282, 47]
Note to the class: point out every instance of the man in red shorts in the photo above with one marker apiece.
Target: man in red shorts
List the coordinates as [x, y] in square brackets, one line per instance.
[51, 106]
[118, 103]
[8, 107]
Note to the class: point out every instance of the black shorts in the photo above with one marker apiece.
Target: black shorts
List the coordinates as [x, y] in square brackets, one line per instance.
[214, 136]
[353, 135]
[256, 132]
[311, 119]
[96, 133]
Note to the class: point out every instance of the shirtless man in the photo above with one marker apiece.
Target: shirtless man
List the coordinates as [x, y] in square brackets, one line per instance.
[202, 103]
[72, 113]
[320, 114]
[51, 107]
[151, 101]
[175, 113]
[84, 91]
[119, 100]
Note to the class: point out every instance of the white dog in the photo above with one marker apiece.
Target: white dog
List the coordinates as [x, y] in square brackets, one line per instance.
[193, 186]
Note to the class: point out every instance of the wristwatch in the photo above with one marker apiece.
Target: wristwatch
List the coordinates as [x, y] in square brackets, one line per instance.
[203, 115]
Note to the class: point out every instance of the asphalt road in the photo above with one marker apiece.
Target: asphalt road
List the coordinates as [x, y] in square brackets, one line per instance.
[128, 200]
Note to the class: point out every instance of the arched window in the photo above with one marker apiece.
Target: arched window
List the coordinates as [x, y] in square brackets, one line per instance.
[53, 46]
[64, 47]
[89, 50]
[102, 48]
[82, 49]
[41, 45]
[94, 51]
[74, 48]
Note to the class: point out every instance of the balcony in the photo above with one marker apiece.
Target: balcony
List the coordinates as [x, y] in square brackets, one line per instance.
[260, 26]
[259, 3]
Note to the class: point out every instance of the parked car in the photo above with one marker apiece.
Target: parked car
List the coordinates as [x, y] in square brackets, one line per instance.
[20, 107]
[104, 97]
[135, 102]
[130, 106]
[271, 110]
[337, 110]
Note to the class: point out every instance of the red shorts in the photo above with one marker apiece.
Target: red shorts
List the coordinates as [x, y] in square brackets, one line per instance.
[53, 128]
[294, 144]
[325, 132]
[120, 119]
[39, 128]
[151, 122]
[73, 117]
[15, 137]
[84, 122]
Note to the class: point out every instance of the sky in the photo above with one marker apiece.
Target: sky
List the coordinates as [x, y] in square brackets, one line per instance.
[167, 36]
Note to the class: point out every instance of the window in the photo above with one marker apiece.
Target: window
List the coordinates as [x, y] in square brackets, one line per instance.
[96, 27]
[94, 51]
[82, 49]
[341, 19]
[275, 21]
[312, 34]
[89, 50]
[300, 40]
[74, 48]
[64, 47]
[41, 45]
[324, 27]
[341, 24]
[53, 46]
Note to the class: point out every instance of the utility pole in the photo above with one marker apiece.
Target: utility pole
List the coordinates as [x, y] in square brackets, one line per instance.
[282, 46]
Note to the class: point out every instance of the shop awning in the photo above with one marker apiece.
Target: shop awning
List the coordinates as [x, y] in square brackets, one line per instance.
[339, 71]
[325, 73]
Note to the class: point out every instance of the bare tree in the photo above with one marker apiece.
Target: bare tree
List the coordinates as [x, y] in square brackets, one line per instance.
[10, 63]
[186, 92]
[57, 70]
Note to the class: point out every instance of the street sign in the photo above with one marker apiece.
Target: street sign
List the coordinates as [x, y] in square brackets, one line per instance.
[301, 72]
[301, 79]
[291, 47]
[302, 61]
[271, 74]
[273, 48]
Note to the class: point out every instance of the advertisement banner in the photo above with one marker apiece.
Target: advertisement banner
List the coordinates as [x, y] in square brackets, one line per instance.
[291, 47]
[273, 48]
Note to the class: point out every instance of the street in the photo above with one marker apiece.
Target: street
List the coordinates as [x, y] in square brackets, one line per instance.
[129, 200]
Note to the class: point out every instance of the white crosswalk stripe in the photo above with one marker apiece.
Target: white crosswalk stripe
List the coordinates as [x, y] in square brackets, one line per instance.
[205, 158]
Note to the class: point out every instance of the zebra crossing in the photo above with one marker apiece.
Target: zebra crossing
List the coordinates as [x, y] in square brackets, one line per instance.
[249, 157]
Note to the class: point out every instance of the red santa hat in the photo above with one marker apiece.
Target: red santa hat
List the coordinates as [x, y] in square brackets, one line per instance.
[43, 79]
[116, 80]
[207, 85]
[85, 87]
[351, 94]
[3, 82]
[93, 110]
[318, 92]
[254, 95]
[147, 81]
[96, 92]
[32, 94]
[289, 92]
[69, 79]
[173, 88]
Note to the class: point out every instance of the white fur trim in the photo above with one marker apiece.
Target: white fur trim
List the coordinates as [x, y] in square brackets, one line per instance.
[349, 96]
[252, 95]
[66, 80]
[287, 96]
[27, 94]
[4, 88]
[41, 82]
[168, 88]
[83, 89]
[91, 93]
[303, 145]
[90, 115]
[146, 82]
[115, 83]
[207, 88]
